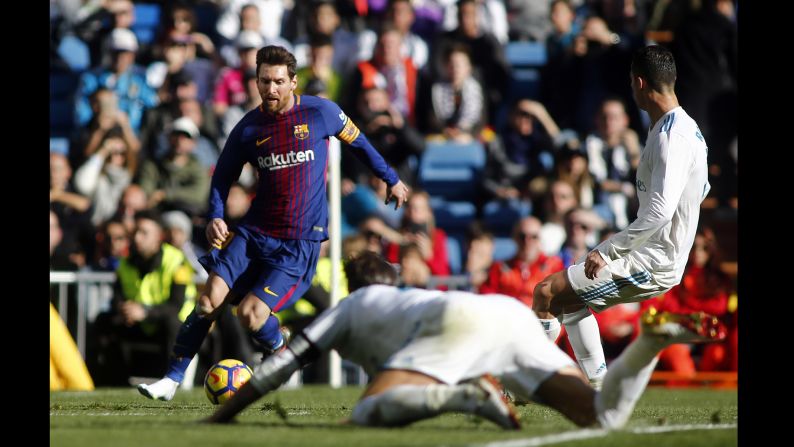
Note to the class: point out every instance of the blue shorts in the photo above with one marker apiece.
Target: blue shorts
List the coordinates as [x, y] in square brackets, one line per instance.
[278, 271]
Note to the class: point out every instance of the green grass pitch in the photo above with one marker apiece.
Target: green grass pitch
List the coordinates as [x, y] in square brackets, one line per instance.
[310, 416]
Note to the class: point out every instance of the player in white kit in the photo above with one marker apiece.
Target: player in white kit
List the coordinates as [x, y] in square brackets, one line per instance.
[431, 352]
[648, 257]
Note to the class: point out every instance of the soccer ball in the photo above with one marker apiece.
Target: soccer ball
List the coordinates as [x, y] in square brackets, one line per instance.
[224, 379]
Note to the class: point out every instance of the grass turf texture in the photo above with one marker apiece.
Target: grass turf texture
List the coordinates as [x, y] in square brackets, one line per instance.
[310, 416]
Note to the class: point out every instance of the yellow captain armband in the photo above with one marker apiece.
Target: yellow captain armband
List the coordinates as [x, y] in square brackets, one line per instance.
[183, 275]
[349, 133]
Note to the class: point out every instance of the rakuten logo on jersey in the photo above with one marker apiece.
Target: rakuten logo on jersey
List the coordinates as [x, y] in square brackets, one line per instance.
[281, 161]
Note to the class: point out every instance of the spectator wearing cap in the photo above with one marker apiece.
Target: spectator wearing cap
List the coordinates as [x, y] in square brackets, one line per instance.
[230, 89]
[178, 181]
[179, 233]
[206, 151]
[122, 77]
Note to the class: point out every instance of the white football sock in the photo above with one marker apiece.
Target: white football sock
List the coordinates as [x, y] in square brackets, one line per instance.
[404, 404]
[552, 328]
[585, 340]
[627, 378]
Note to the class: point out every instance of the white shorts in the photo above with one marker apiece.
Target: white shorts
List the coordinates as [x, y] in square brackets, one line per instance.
[483, 334]
[620, 281]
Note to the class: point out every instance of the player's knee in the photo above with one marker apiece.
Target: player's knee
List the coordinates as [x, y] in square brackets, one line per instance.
[205, 306]
[250, 318]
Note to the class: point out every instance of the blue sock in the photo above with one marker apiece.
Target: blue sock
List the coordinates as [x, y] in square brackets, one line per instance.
[188, 342]
[268, 335]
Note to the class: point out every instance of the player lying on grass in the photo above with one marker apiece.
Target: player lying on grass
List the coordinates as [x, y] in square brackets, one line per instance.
[432, 352]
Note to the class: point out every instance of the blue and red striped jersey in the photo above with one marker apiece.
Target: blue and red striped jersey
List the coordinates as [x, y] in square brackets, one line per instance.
[290, 153]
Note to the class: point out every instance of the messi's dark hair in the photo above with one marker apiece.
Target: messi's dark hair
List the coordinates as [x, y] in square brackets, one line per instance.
[275, 55]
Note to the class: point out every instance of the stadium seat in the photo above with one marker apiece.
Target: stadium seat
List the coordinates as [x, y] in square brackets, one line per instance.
[75, 53]
[452, 216]
[500, 216]
[147, 20]
[454, 254]
[526, 59]
[452, 170]
[504, 248]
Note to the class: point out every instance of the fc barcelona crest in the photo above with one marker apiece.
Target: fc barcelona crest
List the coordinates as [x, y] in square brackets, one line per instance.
[302, 131]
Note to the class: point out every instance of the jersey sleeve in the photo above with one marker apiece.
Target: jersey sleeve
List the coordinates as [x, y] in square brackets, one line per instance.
[227, 170]
[671, 168]
[342, 127]
[331, 328]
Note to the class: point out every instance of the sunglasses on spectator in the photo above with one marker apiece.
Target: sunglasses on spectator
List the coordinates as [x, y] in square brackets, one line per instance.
[529, 236]
[584, 227]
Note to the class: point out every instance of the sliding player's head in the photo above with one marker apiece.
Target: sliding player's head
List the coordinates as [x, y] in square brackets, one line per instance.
[276, 80]
[652, 70]
[369, 268]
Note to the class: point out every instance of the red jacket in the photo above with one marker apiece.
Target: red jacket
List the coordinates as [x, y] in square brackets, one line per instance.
[517, 279]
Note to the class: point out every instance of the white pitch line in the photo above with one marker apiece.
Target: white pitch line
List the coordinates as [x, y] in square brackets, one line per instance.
[590, 433]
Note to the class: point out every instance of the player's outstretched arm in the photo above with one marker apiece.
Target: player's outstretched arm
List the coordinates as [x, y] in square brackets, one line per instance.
[399, 193]
[245, 397]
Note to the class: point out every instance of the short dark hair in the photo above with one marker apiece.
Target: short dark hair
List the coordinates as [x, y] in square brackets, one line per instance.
[656, 65]
[369, 268]
[150, 214]
[275, 55]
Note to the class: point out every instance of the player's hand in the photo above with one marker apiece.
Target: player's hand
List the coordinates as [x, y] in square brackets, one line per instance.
[593, 264]
[399, 193]
[217, 232]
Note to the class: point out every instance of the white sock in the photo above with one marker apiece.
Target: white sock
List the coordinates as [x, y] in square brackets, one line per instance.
[404, 404]
[585, 340]
[627, 378]
[552, 328]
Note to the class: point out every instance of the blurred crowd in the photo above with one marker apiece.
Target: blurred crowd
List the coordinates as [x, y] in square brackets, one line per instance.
[144, 95]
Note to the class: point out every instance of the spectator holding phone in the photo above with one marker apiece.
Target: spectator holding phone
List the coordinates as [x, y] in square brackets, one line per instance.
[419, 227]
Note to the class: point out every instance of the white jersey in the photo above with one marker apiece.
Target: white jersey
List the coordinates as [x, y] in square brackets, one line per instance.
[672, 181]
[451, 336]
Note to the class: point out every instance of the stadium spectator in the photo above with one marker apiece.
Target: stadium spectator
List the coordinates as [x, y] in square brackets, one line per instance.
[154, 292]
[123, 77]
[179, 233]
[61, 256]
[236, 112]
[564, 28]
[320, 68]
[490, 66]
[559, 200]
[113, 244]
[479, 255]
[133, 199]
[529, 19]
[399, 15]
[367, 202]
[458, 105]
[238, 16]
[250, 20]
[613, 153]
[179, 54]
[414, 271]
[105, 175]
[178, 181]
[205, 151]
[419, 227]
[73, 210]
[491, 17]
[413, 382]
[522, 153]
[518, 276]
[387, 70]
[324, 19]
[107, 118]
[230, 89]
[581, 227]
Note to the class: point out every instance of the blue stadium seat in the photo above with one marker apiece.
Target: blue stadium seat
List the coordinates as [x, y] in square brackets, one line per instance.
[454, 254]
[500, 216]
[63, 85]
[60, 145]
[526, 59]
[452, 216]
[75, 53]
[147, 20]
[504, 248]
[62, 120]
[452, 170]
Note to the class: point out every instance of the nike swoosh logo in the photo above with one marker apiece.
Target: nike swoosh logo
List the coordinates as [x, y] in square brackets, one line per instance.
[267, 290]
[261, 142]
